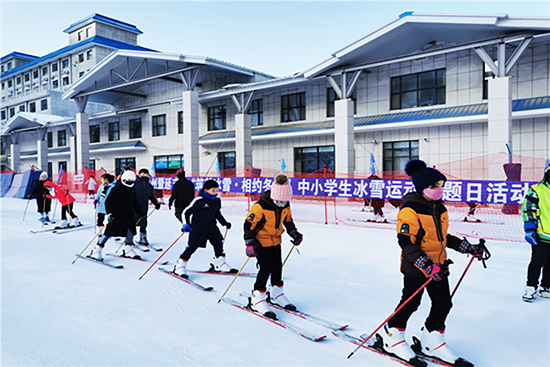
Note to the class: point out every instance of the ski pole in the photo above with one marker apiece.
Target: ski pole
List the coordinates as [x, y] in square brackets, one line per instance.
[25, 212]
[288, 255]
[89, 243]
[233, 281]
[146, 271]
[394, 312]
[482, 244]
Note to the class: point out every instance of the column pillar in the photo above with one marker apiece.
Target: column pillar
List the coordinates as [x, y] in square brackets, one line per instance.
[15, 159]
[344, 136]
[499, 127]
[191, 132]
[42, 149]
[243, 142]
[82, 141]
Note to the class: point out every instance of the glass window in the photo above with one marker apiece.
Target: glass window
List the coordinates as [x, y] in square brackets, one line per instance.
[114, 131]
[227, 163]
[50, 139]
[180, 122]
[35, 74]
[135, 128]
[32, 107]
[94, 134]
[65, 80]
[89, 55]
[168, 164]
[62, 166]
[44, 71]
[293, 107]
[65, 63]
[397, 154]
[3, 85]
[27, 77]
[22, 108]
[61, 138]
[80, 36]
[81, 74]
[54, 67]
[12, 112]
[332, 97]
[216, 118]
[3, 148]
[3, 114]
[81, 57]
[256, 112]
[50, 167]
[18, 80]
[43, 104]
[55, 84]
[91, 164]
[421, 89]
[312, 159]
[10, 83]
[124, 163]
[159, 125]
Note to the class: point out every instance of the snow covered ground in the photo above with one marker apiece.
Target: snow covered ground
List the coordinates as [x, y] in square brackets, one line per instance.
[58, 314]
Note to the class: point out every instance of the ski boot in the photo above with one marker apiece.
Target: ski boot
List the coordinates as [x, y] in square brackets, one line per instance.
[143, 239]
[180, 269]
[471, 218]
[47, 218]
[96, 253]
[434, 345]
[530, 294]
[381, 219]
[258, 303]
[75, 222]
[219, 264]
[393, 342]
[544, 292]
[64, 224]
[277, 297]
[128, 251]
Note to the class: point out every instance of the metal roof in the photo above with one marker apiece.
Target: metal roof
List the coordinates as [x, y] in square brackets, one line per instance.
[99, 40]
[102, 19]
[18, 55]
[29, 120]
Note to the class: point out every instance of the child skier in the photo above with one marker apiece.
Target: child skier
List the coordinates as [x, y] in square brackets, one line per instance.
[66, 200]
[200, 222]
[120, 205]
[263, 228]
[422, 226]
[102, 194]
[42, 201]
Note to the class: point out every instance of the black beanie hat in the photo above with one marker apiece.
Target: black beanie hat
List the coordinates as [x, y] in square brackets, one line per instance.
[208, 184]
[181, 174]
[422, 176]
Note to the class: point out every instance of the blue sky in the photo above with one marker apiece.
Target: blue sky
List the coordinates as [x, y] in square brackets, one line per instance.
[279, 38]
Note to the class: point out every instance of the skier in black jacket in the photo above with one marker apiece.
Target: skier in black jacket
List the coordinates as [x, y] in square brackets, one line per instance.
[144, 193]
[200, 222]
[183, 193]
[43, 203]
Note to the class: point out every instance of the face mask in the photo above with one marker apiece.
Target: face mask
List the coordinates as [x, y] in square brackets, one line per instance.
[434, 194]
[280, 203]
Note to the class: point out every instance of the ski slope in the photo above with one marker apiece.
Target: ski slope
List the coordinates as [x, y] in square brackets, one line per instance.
[58, 314]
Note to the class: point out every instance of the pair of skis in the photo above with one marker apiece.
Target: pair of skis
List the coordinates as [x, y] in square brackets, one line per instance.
[63, 230]
[200, 286]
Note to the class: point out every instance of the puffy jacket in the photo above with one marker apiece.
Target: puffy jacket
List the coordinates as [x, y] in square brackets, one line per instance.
[122, 203]
[61, 194]
[422, 229]
[202, 214]
[183, 193]
[144, 193]
[536, 209]
[101, 196]
[264, 220]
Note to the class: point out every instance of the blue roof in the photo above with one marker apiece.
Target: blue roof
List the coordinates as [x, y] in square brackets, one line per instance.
[95, 39]
[18, 55]
[102, 18]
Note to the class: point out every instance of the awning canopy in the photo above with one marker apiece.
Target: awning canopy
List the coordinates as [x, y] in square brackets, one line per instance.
[29, 120]
[94, 148]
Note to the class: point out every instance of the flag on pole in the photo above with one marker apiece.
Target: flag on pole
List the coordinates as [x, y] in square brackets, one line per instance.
[218, 167]
[60, 175]
[283, 165]
[372, 165]
[153, 169]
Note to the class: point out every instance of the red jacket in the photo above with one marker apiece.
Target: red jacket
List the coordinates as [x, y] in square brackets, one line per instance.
[60, 193]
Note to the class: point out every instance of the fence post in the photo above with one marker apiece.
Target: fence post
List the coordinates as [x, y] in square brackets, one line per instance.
[326, 209]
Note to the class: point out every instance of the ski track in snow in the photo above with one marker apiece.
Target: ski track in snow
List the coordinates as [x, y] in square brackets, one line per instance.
[58, 314]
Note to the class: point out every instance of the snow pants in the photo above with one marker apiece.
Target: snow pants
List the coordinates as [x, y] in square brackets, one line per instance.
[540, 259]
[270, 263]
[441, 303]
[100, 219]
[178, 213]
[129, 239]
[197, 240]
[67, 208]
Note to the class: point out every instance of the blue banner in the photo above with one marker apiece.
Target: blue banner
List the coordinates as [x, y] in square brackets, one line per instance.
[491, 192]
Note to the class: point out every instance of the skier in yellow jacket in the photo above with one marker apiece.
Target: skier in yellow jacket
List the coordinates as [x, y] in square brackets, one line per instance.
[422, 225]
[263, 228]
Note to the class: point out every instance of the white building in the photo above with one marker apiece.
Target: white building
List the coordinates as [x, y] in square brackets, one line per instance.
[439, 87]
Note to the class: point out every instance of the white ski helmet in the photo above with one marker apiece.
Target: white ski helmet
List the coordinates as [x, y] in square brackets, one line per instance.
[128, 178]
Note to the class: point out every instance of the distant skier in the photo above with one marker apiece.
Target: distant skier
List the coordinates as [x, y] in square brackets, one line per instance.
[107, 184]
[377, 205]
[144, 193]
[200, 222]
[66, 200]
[43, 203]
[183, 193]
[536, 218]
[263, 228]
[92, 183]
[470, 217]
[120, 206]
[422, 226]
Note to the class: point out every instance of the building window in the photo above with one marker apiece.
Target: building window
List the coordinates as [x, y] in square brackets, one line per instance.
[62, 166]
[27, 77]
[87, 32]
[122, 164]
[3, 85]
[44, 71]
[61, 138]
[313, 159]
[180, 122]
[43, 104]
[293, 107]
[3, 114]
[159, 125]
[256, 112]
[414, 90]
[227, 163]
[10, 83]
[81, 74]
[2, 68]
[91, 164]
[55, 84]
[332, 97]
[114, 131]
[65, 63]
[80, 36]
[50, 167]
[22, 108]
[398, 153]
[94, 134]
[65, 80]
[9, 66]
[54, 68]
[50, 139]
[81, 58]
[216, 118]
[135, 128]
[3, 149]
[18, 80]
[32, 107]
[168, 164]
[12, 112]
[89, 55]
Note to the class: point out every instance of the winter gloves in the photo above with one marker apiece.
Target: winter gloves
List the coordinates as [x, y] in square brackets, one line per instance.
[110, 218]
[434, 271]
[227, 225]
[296, 237]
[157, 206]
[186, 228]
[530, 233]
[476, 251]
[251, 244]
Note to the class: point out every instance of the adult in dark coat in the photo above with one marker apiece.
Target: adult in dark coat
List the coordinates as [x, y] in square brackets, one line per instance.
[183, 193]
[144, 193]
[120, 206]
[43, 203]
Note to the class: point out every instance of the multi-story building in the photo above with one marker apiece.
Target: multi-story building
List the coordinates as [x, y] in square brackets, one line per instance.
[439, 87]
